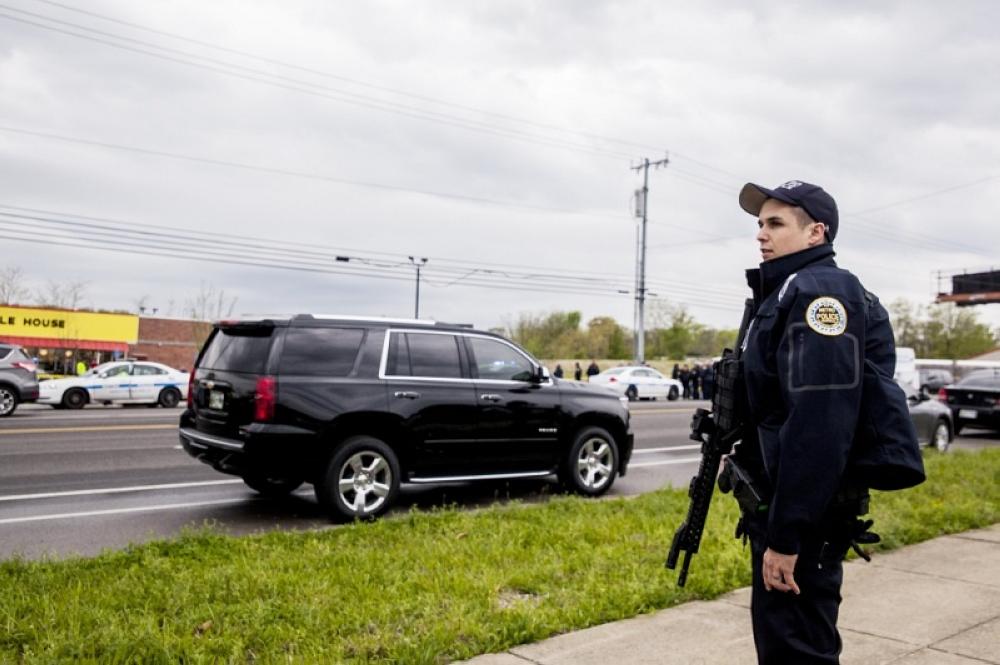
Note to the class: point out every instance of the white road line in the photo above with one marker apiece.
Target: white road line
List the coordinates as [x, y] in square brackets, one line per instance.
[119, 511]
[640, 451]
[118, 490]
[686, 460]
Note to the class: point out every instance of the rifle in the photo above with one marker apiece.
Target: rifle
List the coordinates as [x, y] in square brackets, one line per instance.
[717, 430]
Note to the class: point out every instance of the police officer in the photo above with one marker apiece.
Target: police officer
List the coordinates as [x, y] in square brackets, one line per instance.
[804, 352]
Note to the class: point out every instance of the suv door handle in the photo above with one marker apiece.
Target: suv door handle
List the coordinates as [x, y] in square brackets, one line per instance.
[491, 397]
[406, 394]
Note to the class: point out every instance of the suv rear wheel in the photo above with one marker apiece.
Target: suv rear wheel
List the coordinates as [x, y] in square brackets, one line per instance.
[592, 462]
[8, 401]
[361, 480]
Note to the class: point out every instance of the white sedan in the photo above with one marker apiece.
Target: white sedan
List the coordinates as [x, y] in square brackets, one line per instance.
[126, 382]
[638, 383]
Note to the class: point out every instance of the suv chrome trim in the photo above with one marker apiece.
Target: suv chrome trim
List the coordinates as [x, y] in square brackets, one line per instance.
[196, 437]
[490, 476]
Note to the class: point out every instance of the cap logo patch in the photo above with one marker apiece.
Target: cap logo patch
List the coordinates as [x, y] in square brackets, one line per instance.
[827, 316]
[791, 184]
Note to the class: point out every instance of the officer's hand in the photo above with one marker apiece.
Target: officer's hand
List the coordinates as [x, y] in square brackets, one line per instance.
[779, 571]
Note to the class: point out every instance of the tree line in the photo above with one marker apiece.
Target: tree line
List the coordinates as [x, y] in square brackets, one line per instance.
[934, 331]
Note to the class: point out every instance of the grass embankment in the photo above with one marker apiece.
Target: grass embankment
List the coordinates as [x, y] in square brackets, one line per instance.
[421, 588]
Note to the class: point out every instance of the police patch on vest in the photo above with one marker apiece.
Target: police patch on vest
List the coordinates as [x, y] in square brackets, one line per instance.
[827, 316]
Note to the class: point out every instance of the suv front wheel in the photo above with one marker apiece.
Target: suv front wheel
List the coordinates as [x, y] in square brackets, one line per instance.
[591, 464]
[361, 480]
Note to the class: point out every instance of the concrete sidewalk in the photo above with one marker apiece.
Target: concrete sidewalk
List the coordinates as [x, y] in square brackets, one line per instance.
[935, 603]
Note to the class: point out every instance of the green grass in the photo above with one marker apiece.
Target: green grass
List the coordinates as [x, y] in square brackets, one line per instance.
[419, 588]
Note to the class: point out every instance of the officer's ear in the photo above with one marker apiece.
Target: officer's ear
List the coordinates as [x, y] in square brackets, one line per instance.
[817, 234]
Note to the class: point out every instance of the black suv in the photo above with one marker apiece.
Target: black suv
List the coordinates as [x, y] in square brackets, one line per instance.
[358, 406]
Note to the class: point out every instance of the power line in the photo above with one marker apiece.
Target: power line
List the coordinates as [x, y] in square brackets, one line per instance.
[306, 87]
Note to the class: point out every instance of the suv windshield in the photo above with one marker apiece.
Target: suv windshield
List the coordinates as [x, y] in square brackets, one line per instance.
[238, 350]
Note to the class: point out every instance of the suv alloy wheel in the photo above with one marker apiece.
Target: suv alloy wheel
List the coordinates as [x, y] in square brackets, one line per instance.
[591, 465]
[361, 480]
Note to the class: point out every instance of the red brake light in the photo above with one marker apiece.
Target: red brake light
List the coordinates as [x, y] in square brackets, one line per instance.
[942, 395]
[266, 399]
[190, 399]
[22, 364]
[612, 379]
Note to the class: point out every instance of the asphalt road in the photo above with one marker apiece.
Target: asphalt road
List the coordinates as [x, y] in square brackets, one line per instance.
[101, 478]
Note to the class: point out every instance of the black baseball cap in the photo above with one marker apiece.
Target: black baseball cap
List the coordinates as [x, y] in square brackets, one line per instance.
[811, 198]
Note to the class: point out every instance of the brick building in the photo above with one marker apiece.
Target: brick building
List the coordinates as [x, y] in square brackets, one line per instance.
[173, 342]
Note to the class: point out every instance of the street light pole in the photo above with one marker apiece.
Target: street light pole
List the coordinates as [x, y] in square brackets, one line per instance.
[418, 264]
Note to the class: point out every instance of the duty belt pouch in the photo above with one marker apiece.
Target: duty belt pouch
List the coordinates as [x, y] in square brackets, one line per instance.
[737, 480]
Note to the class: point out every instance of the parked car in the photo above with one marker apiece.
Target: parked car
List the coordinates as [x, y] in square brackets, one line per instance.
[122, 382]
[638, 382]
[974, 400]
[358, 406]
[932, 380]
[18, 378]
[932, 420]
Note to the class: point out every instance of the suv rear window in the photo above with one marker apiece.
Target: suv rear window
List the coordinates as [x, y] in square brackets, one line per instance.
[321, 351]
[238, 350]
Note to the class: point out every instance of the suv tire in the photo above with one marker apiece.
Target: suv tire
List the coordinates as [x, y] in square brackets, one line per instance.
[75, 398]
[169, 398]
[361, 480]
[8, 401]
[271, 487]
[591, 464]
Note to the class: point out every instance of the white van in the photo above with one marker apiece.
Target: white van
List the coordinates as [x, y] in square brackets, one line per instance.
[906, 370]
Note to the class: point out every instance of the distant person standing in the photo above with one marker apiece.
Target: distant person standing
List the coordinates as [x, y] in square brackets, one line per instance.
[81, 368]
[558, 373]
[592, 369]
[683, 376]
[577, 372]
[707, 382]
[676, 372]
[695, 379]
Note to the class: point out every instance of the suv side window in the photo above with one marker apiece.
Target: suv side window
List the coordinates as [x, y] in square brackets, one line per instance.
[498, 361]
[430, 355]
[321, 351]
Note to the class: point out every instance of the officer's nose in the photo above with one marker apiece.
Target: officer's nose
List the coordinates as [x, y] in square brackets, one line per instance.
[761, 234]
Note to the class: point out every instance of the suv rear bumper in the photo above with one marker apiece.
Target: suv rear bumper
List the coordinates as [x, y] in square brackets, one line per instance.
[260, 446]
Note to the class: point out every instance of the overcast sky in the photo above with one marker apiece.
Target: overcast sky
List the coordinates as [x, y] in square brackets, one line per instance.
[493, 138]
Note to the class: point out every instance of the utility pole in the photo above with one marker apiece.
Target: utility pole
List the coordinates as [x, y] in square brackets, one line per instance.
[419, 264]
[642, 206]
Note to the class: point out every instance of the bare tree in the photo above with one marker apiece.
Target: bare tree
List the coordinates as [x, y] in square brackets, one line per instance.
[13, 290]
[210, 304]
[141, 303]
[64, 295]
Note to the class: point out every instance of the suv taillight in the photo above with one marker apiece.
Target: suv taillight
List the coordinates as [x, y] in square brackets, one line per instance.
[942, 395]
[266, 399]
[191, 388]
[28, 366]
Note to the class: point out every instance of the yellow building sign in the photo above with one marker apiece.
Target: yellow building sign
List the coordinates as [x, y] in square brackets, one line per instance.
[57, 324]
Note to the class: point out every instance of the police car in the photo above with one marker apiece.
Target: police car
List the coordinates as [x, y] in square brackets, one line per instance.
[125, 382]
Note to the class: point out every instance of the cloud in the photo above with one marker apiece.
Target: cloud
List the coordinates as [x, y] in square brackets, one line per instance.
[880, 104]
